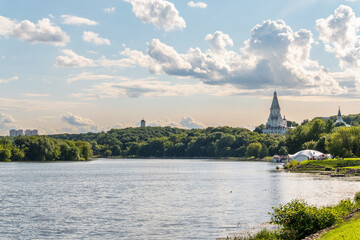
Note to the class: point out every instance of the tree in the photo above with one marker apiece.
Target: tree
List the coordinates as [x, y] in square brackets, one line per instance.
[259, 129]
[264, 151]
[253, 150]
[5, 154]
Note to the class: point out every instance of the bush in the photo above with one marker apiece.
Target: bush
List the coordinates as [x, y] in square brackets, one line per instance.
[328, 169]
[292, 164]
[357, 198]
[297, 219]
[264, 234]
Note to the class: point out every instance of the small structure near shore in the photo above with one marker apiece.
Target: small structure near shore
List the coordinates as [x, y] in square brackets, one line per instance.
[309, 155]
[279, 159]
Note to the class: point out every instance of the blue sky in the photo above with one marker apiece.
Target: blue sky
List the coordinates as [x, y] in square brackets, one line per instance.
[78, 66]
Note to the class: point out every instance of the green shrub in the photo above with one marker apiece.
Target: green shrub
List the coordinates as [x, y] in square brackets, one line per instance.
[297, 219]
[264, 234]
[344, 207]
[328, 169]
[292, 164]
[357, 198]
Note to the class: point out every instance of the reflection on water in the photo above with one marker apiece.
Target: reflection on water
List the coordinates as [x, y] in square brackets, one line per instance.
[151, 199]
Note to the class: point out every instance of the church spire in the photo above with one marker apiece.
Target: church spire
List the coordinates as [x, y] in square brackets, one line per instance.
[275, 102]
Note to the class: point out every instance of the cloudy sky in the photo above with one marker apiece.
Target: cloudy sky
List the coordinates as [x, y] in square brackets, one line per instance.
[90, 65]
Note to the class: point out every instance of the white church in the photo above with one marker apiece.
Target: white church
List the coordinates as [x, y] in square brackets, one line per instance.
[278, 125]
[275, 123]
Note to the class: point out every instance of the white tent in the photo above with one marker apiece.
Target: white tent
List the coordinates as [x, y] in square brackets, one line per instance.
[308, 154]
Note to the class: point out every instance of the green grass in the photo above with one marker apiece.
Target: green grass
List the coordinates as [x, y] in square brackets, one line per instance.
[353, 167]
[331, 164]
[346, 230]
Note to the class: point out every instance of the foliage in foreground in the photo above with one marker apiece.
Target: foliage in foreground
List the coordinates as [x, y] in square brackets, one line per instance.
[264, 234]
[297, 219]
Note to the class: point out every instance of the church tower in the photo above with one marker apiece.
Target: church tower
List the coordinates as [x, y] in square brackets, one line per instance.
[339, 121]
[275, 123]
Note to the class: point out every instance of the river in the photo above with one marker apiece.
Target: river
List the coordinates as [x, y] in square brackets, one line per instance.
[151, 199]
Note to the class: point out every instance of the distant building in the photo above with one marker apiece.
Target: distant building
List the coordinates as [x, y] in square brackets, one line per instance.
[339, 121]
[143, 123]
[34, 132]
[13, 133]
[275, 123]
[20, 132]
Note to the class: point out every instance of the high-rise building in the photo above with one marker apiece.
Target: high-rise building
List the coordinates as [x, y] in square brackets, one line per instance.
[19, 132]
[143, 123]
[275, 123]
[13, 133]
[34, 132]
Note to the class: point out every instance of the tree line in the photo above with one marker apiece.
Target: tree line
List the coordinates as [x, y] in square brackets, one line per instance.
[215, 142]
[43, 148]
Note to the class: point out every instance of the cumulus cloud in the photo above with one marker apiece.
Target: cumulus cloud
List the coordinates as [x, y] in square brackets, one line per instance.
[44, 31]
[71, 59]
[185, 122]
[339, 33]
[197, 4]
[79, 123]
[190, 123]
[94, 38]
[109, 10]
[274, 56]
[74, 20]
[7, 80]
[7, 122]
[162, 14]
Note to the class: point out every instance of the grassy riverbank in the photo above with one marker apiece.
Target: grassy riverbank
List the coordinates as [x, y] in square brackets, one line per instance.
[346, 166]
[298, 220]
[349, 230]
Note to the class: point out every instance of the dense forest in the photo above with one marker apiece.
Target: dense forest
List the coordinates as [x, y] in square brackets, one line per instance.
[41, 148]
[219, 142]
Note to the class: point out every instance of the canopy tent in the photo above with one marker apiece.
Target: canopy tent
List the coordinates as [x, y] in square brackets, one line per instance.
[309, 154]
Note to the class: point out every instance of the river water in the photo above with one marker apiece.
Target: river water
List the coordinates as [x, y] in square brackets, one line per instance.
[151, 199]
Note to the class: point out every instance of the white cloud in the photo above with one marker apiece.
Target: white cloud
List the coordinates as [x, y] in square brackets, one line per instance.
[7, 122]
[79, 123]
[274, 56]
[7, 80]
[132, 58]
[185, 122]
[160, 13]
[94, 38]
[44, 31]
[109, 10]
[74, 20]
[88, 76]
[197, 4]
[71, 59]
[190, 123]
[339, 33]
[153, 88]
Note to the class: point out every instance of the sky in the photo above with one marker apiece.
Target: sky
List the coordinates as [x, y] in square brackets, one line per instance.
[89, 65]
